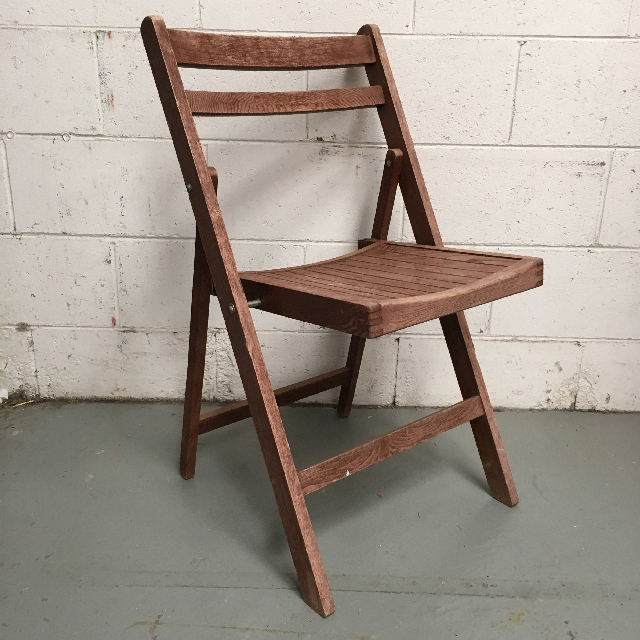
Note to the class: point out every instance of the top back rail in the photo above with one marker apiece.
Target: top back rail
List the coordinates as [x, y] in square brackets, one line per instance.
[222, 51]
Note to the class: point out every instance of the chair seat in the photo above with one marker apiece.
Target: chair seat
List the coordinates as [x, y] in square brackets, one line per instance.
[388, 286]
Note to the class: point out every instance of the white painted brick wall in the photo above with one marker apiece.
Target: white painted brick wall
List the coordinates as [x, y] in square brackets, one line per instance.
[513, 17]
[17, 364]
[526, 119]
[540, 374]
[527, 196]
[577, 93]
[100, 187]
[307, 16]
[57, 281]
[111, 364]
[49, 81]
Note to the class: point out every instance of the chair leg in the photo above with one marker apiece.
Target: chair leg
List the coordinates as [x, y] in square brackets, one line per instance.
[200, 300]
[348, 389]
[281, 469]
[293, 513]
[485, 428]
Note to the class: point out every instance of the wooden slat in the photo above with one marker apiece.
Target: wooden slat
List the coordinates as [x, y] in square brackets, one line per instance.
[345, 286]
[196, 49]
[247, 103]
[338, 288]
[415, 282]
[417, 252]
[360, 457]
[485, 257]
[285, 395]
[429, 267]
[429, 264]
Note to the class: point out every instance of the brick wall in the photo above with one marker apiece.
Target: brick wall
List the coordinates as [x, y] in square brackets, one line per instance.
[526, 118]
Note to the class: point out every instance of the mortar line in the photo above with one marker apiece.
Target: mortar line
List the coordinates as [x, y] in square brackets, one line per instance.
[533, 339]
[199, 16]
[338, 144]
[578, 378]
[394, 402]
[94, 43]
[32, 350]
[306, 115]
[8, 191]
[478, 246]
[426, 35]
[413, 17]
[311, 332]
[116, 282]
[603, 202]
[631, 3]
[489, 320]
[521, 44]
[402, 221]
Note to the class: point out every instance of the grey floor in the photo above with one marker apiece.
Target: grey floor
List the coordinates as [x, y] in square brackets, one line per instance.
[101, 538]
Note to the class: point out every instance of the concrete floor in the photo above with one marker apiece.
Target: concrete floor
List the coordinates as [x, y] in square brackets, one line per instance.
[101, 538]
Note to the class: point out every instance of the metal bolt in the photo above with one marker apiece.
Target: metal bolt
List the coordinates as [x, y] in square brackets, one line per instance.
[388, 163]
[189, 187]
[232, 308]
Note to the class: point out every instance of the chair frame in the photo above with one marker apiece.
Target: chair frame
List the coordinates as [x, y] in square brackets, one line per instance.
[214, 262]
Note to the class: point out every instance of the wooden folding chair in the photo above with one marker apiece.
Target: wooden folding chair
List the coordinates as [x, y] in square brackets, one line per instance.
[382, 287]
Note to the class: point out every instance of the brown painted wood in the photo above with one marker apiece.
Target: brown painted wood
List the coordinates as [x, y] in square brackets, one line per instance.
[284, 395]
[387, 195]
[364, 455]
[354, 359]
[213, 173]
[197, 49]
[390, 286]
[396, 133]
[244, 340]
[247, 103]
[484, 427]
[200, 298]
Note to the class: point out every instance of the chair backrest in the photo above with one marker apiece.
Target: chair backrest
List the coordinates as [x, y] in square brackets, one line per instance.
[169, 49]
[203, 50]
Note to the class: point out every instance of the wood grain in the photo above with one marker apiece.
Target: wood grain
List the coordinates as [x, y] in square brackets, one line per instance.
[485, 428]
[247, 103]
[396, 133]
[360, 457]
[354, 360]
[200, 299]
[387, 194]
[196, 49]
[284, 395]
